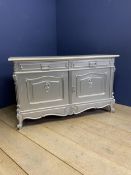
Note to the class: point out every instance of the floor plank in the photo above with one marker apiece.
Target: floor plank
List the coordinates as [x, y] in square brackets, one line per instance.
[84, 160]
[8, 166]
[114, 119]
[125, 109]
[8, 115]
[108, 148]
[95, 142]
[33, 159]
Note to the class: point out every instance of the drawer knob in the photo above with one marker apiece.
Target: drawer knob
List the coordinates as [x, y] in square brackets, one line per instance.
[71, 65]
[47, 86]
[66, 65]
[92, 64]
[90, 81]
[21, 66]
[44, 67]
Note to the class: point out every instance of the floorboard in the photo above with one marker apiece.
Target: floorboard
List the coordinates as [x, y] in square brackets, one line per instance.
[8, 166]
[103, 146]
[28, 155]
[93, 143]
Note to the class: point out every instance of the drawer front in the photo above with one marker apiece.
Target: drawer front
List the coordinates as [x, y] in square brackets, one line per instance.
[89, 63]
[90, 85]
[41, 90]
[40, 66]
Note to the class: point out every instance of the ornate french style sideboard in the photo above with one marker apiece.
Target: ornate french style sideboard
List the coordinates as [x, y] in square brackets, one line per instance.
[62, 85]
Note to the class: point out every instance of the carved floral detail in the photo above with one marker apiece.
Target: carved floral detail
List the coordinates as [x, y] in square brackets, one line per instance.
[47, 86]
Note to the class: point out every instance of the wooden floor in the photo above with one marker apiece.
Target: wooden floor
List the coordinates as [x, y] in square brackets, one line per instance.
[93, 143]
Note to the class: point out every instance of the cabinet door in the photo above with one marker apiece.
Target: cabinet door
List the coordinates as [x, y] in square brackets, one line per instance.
[40, 90]
[90, 85]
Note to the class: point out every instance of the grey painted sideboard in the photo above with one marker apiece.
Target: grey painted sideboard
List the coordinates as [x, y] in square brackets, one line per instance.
[62, 85]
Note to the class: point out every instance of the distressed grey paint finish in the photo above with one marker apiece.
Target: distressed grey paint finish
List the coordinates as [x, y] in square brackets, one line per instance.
[62, 85]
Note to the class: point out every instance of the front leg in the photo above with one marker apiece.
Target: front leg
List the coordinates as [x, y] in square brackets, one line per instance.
[110, 108]
[20, 120]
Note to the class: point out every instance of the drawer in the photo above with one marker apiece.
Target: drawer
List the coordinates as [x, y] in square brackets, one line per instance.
[89, 63]
[41, 66]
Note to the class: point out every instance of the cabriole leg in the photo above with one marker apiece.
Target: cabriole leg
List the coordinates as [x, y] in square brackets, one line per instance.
[20, 120]
[110, 108]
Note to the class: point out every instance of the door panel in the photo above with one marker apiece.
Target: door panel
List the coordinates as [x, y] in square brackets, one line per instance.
[44, 89]
[41, 90]
[89, 85]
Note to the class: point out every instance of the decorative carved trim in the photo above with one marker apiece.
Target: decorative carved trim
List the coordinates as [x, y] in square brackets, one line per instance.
[43, 113]
[63, 111]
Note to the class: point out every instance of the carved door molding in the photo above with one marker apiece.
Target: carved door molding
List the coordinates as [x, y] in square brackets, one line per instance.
[90, 85]
[43, 90]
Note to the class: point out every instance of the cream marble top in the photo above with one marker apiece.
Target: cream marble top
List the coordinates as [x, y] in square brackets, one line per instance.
[61, 58]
